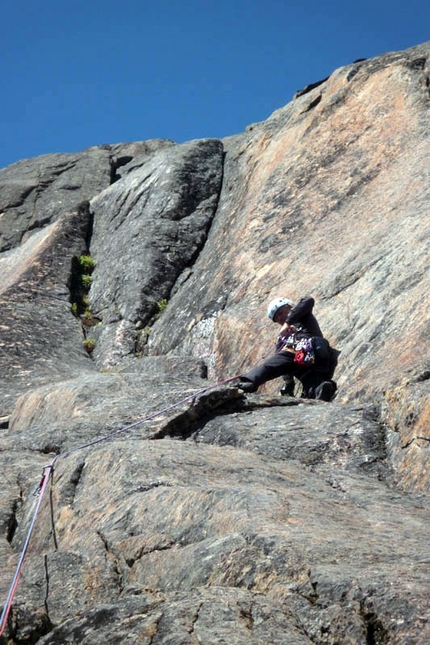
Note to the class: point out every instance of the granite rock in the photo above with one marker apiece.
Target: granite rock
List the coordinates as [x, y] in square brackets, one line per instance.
[179, 509]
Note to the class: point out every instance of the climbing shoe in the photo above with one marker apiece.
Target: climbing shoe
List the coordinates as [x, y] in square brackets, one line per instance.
[325, 391]
[288, 388]
[247, 386]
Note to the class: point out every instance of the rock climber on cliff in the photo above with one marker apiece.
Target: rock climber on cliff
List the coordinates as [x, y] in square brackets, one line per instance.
[301, 352]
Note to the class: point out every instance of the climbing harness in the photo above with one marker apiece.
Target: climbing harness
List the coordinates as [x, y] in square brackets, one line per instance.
[48, 472]
[305, 354]
[302, 348]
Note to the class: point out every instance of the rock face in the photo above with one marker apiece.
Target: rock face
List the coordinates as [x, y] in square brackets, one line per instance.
[148, 228]
[34, 192]
[198, 514]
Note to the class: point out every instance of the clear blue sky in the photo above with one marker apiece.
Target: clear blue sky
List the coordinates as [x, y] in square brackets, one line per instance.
[86, 72]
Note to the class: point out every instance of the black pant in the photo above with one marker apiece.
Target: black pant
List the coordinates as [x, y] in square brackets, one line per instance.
[276, 365]
[283, 363]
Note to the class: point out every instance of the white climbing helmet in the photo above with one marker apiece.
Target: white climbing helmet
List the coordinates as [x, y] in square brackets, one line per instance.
[276, 304]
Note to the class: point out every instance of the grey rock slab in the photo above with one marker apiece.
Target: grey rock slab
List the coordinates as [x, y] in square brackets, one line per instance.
[174, 516]
[36, 191]
[148, 227]
[211, 616]
[41, 341]
[345, 437]
[166, 395]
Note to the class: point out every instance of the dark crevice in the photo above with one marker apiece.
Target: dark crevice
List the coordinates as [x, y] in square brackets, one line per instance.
[69, 488]
[245, 614]
[144, 488]
[201, 412]
[114, 560]
[47, 585]
[79, 284]
[216, 404]
[314, 103]
[375, 632]
[89, 235]
[51, 449]
[314, 587]
[142, 552]
[427, 83]
[425, 376]
[354, 71]
[76, 476]
[13, 523]
[39, 223]
[417, 63]
[308, 591]
[118, 162]
[195, 619]
[417, 438]
[4, 423]
[309, 88]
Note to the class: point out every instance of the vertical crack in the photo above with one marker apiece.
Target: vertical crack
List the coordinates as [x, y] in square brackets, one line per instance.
[114, 561]
[245, 613]
[12, 523]
[195, 619]
[376, 634]
[155, 629]
[69, 489]
[45, 602]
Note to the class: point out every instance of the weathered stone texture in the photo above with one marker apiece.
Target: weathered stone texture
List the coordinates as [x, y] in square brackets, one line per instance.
[148, 227]
[203, 515]
[34, 192]
[40, 339]
[328, 198]
[310, 530]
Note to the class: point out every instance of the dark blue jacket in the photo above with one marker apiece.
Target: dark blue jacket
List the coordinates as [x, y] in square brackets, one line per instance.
[302, 318]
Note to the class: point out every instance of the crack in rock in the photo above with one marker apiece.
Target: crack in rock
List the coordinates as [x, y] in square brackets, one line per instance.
[219, 403]
[376, 634]
[69, 489]
[411, 441]
[114, 560]
[195, 618]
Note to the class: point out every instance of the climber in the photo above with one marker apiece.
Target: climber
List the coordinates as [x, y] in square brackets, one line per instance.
[301, 352]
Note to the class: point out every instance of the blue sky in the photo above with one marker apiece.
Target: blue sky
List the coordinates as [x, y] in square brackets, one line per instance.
[80, 73]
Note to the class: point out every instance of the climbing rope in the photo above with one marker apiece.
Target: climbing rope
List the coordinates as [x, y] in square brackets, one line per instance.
[48, 472]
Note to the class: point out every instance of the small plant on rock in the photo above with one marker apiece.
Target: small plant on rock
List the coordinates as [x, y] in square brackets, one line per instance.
[161, 304]
[80, 283]
[86, 280]
[89, 344]
[86, 263]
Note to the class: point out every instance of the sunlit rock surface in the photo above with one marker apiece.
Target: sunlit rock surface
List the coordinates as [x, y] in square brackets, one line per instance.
[207, 516]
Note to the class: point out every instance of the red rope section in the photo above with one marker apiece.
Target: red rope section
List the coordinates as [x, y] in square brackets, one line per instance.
[8, 604]
[49, 469]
